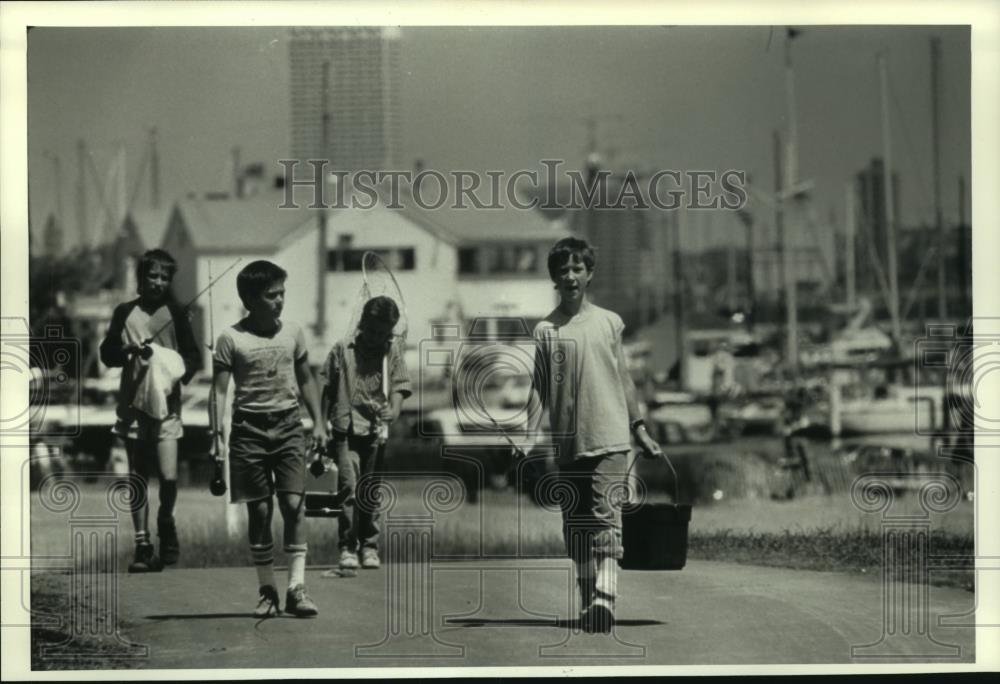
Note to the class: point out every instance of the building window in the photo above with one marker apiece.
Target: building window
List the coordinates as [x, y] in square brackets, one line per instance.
[468, 260]
[513, 259]
[525, 259]
[396, 258]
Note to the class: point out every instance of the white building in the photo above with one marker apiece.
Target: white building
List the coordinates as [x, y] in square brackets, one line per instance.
[452, 265]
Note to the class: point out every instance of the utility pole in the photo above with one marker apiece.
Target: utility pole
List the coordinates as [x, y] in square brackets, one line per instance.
[942, 298]
[890, 213]
[321, 248]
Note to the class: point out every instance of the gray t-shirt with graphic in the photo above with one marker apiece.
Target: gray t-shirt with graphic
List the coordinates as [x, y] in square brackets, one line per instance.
[263, 366]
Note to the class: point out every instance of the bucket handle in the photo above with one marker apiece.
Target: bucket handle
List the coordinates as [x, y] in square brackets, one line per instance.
[673, 472]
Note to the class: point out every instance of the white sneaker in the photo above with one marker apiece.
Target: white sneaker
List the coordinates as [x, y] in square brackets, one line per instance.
[348, 559]
[369, 558]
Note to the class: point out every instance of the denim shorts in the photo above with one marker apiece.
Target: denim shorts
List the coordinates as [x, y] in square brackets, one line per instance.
[267, 454]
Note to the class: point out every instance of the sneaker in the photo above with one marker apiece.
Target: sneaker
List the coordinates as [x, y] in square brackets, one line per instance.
[268, 605]
[599, 618]
[298, 603]
[145, 560]
[369, 558]
[170, 548]
[348, 559]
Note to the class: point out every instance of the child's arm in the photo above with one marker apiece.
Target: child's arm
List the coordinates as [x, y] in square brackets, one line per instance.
[186, 343]
[222, 372]
[220, 388]
[324, 399]
[307, 385]
[391, 412]
[330, 381]
[536, 404]
[400, 386]
[114, 354]
[650, 447]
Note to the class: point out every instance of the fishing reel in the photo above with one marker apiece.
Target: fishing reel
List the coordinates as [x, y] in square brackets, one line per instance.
[145, 352]
[218, 484]
[320, 463]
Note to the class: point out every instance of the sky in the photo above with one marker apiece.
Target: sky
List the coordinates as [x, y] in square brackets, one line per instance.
[505, 98]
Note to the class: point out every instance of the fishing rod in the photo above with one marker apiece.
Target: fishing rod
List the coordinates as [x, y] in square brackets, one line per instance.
[218, 484]
[145, 351]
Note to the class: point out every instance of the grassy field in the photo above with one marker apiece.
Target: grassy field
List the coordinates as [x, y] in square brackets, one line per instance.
[503, 524]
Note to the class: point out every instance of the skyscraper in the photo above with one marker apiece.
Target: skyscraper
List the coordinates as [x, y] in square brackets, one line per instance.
[362, 95]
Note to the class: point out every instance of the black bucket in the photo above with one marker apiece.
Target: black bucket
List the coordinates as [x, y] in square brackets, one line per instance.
[655, 535]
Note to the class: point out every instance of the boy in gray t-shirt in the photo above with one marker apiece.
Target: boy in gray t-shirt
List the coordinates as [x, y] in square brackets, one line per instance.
[266, 357]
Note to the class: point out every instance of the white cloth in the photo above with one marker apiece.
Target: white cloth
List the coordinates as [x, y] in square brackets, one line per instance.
[165, 369]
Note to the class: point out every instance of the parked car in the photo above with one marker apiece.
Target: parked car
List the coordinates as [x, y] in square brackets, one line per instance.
[481, 456]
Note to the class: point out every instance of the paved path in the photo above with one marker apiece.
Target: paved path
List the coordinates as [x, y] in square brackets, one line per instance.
[517, 613]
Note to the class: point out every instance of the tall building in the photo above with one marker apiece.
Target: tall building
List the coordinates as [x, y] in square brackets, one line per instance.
[362, 95]
[633, 276]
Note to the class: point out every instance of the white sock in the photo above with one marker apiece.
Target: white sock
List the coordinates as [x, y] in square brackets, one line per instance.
[263, 560]
[607, 577]
[296, 554]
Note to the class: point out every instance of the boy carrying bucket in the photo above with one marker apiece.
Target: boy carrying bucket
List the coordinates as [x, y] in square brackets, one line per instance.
[582, 378]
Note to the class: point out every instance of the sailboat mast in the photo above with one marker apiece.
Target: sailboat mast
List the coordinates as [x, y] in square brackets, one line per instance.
[942, 298]
[890, 213]
[850, 230]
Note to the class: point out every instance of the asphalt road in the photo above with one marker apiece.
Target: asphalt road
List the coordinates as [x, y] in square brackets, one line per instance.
[518, 613]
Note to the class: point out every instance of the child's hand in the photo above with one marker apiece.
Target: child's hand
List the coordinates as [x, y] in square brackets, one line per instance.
[320, 437]
[387, 415]
[650, 449]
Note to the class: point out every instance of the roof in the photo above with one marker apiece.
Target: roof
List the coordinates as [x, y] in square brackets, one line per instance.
[249, 224]
[477, 226]
[150, 225]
